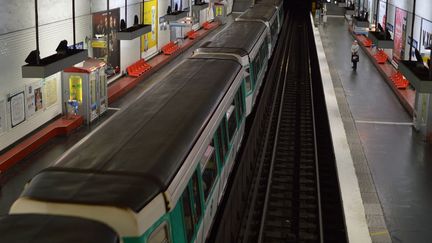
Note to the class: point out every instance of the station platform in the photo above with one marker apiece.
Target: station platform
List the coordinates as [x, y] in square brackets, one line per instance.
[391, 160]
[42, 148]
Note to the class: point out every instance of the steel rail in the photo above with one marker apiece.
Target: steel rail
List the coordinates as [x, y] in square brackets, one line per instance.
[275, 142]
[268, 130]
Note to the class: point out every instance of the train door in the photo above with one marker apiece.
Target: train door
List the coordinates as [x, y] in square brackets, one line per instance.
[210, 182]
[222, 145]
[249, 86]
[192, 211]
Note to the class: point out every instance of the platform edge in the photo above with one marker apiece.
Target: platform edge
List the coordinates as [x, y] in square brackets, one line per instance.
[354, 212]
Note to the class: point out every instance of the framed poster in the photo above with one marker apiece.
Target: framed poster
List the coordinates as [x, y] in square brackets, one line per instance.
[105, 27]
[149, 40]
[34, 98]
[426, 37]
[2, 116]
[50, 92]
[400, 34]
[17, 108]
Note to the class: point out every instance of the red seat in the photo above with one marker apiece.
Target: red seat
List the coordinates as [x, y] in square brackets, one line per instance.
[399, 81]
[206, 25]
[380, 57]
[192, 34]
[367, 43]
[170, 48]
[138, 68]
[364, 40]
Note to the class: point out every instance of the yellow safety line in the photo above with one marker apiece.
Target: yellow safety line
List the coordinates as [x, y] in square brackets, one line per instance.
[385, 232]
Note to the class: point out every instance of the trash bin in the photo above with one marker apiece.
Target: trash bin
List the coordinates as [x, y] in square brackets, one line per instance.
[220, 12]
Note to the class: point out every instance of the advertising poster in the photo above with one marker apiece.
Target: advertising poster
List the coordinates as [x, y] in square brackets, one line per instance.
[2, 116]
[382, 14]
[17, 108]
[149, 40]
[399, 34]
[50, 92]
[105, 26]
[426, 37]
[34, 100]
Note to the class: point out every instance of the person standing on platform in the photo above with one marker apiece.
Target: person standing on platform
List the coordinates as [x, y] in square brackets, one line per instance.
[354, 54]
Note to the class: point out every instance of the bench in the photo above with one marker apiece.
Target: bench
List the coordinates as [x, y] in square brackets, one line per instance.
[364, 40]
[380, 57]
[399, 80]
[367, 42]
[192, 34]
[59, 127]
[206, 25]
[170, 48]
[138, 68]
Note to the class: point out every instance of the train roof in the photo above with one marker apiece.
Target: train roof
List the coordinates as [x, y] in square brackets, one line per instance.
[234, 39]
[131, 158]
[38, 228]
[262, 12]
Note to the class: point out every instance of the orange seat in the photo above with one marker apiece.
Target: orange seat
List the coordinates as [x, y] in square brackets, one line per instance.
[192, 34]
[399, 80]
[170, 48]
[380, 57]
[138, 68]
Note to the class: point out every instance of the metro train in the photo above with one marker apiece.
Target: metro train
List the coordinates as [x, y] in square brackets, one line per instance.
[157, 170]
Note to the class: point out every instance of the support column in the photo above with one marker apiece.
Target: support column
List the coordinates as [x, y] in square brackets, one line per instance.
[423, 115]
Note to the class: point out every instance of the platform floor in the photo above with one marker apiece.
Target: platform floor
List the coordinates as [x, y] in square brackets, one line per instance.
[12, 182]
[393, 164]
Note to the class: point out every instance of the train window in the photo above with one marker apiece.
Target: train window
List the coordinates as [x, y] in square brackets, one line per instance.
[264, 50]
[196, 199]
[256, 66]
[274, 28]
[232, 122]
[219, 146]
[209, 173]
[187, 215]
[239, 103]
[160, 234]
[263, 53]
[222, 141]
[248, 81]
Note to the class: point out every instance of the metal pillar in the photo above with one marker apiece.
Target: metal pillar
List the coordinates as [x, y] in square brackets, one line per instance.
[412, 30]
[422, 115]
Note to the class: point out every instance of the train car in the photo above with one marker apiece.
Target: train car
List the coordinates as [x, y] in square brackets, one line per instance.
[249, 47]
[156, 170]
[279, 6]
[38, 228]
[266, 14]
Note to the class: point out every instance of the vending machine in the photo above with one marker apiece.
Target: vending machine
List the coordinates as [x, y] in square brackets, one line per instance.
[85, 89]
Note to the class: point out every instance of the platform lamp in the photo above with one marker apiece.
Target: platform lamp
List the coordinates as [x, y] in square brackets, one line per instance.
[137, 29]
[64, 57]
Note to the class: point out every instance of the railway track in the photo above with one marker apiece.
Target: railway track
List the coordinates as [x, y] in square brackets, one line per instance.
[285, 187]
[285, 205]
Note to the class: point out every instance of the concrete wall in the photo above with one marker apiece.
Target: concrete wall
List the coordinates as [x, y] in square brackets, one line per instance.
[17, 40]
